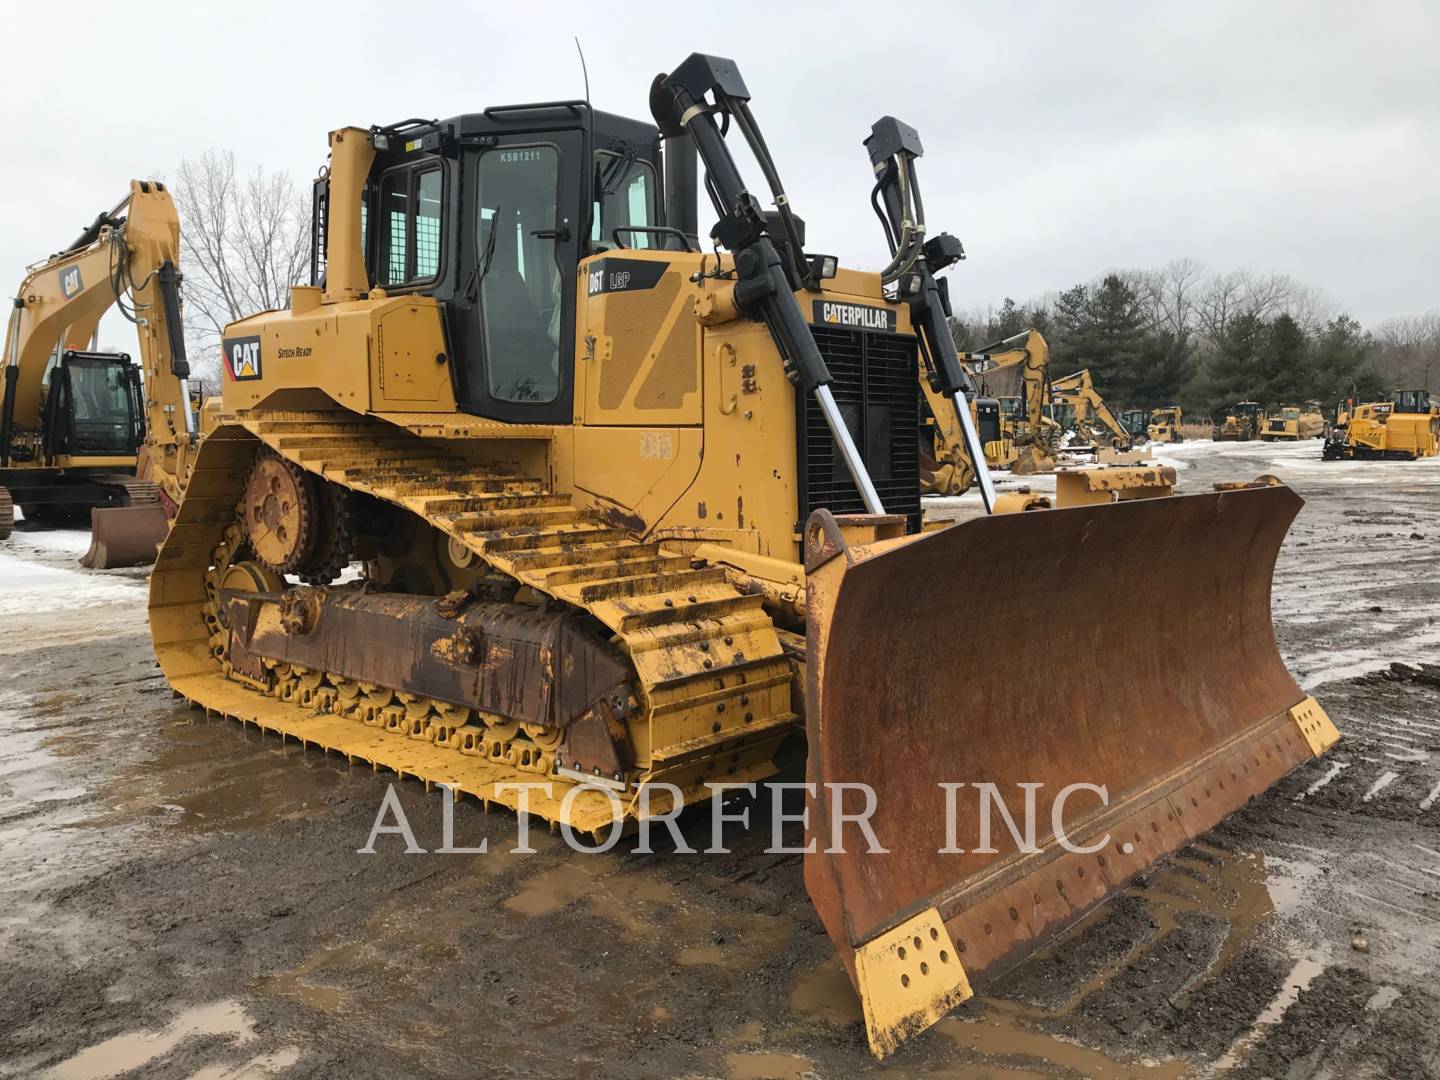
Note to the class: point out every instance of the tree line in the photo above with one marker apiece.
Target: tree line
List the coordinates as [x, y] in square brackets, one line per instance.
[1178, 334]
[1182, 334]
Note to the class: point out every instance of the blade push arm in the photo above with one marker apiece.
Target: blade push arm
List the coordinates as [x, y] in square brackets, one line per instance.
[765, 280]
[894, 147]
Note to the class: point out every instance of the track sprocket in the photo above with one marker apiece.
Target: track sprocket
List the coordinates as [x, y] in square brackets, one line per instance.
[280, 511]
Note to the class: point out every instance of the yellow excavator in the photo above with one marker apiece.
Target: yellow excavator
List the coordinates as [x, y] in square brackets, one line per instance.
[92, 434]
[631, 514]
[1076, 406]
[1009, 409]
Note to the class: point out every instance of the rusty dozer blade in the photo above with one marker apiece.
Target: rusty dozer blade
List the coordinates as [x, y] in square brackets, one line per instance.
[1127, 646]
[125, 536]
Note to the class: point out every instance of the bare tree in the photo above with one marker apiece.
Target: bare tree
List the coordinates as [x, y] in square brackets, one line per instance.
[1407, 351]
[1171, 295]
[1222, 298]
[244, 241]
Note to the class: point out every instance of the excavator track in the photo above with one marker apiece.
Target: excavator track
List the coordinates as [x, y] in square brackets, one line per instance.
[137, 492]
[7, 514]
[714, 681]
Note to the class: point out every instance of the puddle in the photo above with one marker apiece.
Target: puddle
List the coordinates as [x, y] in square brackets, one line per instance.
[259, 1066]
[213, 775]
[1383, 999]
[550, 890]
[1300, 977]
[825, 995]
[768, 1066]
[123, 1053]
[1001, 1037]
[647, 906]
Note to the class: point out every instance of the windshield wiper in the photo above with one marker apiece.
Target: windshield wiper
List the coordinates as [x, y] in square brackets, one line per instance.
[482, 266]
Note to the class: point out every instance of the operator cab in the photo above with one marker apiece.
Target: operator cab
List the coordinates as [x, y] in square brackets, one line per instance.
[1411, 401]
[93, 408]
[491, 213]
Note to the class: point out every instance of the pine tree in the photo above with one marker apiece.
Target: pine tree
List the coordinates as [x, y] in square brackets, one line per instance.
[1233, 373]
[1340, 362]
[1166, 363]
[1284, 373]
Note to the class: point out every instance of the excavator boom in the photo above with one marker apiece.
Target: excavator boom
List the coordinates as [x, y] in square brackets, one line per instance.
[79, 430]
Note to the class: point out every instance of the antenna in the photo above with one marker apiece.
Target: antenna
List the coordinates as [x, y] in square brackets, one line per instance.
[583, 69]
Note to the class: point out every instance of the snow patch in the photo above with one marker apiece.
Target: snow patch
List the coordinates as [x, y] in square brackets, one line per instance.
[27, 588]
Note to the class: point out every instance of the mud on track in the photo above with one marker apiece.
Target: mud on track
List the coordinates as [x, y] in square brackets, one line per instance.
[182, 897]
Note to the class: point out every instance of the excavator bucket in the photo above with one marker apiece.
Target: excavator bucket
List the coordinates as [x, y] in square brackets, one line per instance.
[1110, 669]
[124, 536]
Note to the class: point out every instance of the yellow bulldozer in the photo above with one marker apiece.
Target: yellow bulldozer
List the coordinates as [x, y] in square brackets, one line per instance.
[1008, 408]
[1164, 425]
[1291, 423]
[87, 435]
[630, 514]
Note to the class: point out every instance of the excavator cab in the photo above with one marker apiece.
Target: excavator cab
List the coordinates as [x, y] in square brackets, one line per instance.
[94, 408]
[91, 423]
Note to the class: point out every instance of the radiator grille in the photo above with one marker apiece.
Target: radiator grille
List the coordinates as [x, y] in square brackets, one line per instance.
[875, 380]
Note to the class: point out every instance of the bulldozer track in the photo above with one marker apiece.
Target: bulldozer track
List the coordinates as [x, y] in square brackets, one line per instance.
[714, 679]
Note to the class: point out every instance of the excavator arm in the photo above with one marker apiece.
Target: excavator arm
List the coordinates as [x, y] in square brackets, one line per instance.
[129, 257]
[1018, 366]
[1026, 357]
[1079, 389]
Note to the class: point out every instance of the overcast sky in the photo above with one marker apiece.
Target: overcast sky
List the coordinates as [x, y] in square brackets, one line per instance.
[1062, 139]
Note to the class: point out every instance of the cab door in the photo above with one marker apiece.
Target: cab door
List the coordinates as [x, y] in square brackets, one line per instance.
[514, 321]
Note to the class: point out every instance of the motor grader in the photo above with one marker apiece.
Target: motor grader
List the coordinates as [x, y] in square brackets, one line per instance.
[1239, 423]
[632, 514]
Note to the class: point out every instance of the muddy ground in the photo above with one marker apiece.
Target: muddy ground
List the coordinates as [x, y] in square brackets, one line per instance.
[181, 897]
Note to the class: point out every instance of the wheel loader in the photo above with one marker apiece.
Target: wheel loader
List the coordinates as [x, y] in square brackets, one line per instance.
[631, 513]
[87, 435]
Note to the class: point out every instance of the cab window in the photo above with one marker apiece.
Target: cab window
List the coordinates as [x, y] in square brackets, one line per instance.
[409, 219]
[518, 271]
[624, 196]
[1412, 401]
